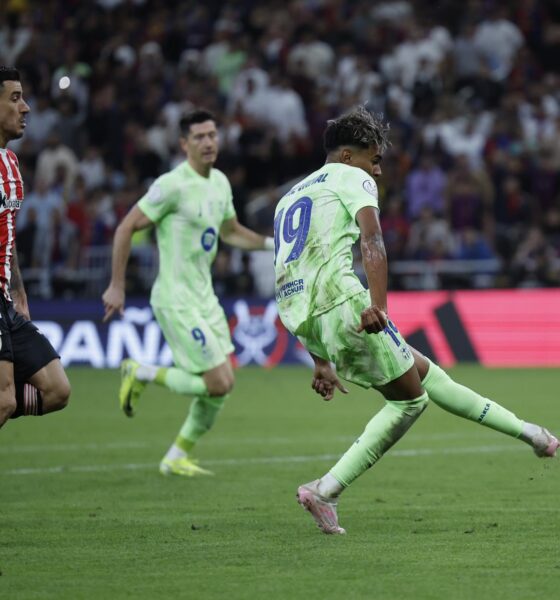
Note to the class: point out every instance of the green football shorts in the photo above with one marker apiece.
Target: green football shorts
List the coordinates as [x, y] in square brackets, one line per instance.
[369, 360]
[199, 340]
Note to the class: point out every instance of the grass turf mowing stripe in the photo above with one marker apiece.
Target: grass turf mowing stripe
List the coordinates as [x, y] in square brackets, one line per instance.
[265, 460]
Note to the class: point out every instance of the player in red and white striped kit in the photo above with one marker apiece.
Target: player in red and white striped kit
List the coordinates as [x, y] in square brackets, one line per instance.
[32, 380]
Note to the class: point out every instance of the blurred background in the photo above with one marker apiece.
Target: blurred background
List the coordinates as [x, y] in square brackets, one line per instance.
[471, 184]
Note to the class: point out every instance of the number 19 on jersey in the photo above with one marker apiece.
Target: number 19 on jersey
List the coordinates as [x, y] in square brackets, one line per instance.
[293, 227]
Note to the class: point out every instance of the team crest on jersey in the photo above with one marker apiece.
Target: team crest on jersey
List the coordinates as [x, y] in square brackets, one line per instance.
[208, 238]
[369, 187]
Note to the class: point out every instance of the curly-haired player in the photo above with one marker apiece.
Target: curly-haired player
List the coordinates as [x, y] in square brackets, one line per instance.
[323, 303]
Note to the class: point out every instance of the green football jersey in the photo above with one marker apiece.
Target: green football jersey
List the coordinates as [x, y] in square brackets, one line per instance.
[188, 211]
[314, 231]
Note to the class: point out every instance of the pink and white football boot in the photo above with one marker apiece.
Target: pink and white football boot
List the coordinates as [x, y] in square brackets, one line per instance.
[545, 444]
[322, 509]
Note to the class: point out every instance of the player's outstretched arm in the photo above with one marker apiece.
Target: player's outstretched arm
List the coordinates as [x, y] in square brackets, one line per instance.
[113, 297]
[374, 260]
[235, 234]
[324, 379]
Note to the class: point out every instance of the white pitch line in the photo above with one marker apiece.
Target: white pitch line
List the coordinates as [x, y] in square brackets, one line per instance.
[222, 441]
[44, 448]
[265, 460]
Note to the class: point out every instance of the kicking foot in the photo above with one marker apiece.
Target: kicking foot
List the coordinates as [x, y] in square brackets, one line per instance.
[131, 388]
[182, 466]
[323, 510]
[545, 444]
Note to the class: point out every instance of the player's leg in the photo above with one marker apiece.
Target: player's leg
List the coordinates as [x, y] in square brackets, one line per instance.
[405, 400]
[381, 361]
[464, 402]
[40, 381]
[202, 415]
[7, 386]
[185, 339]
[7, 391]
[53, 386]
[205, 408]
[203, 344]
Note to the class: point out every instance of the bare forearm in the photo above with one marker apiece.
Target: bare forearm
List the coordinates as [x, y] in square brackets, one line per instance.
[244, 238]
[121, 253]
[374, 260]
[17, 289]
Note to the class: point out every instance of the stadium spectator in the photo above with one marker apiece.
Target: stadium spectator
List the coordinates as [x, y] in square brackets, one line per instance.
[430, 237]
[41, 122]
[477, 79]
[425, 188]
[55, 159]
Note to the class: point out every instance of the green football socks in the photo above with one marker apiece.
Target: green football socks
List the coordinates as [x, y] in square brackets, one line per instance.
[180, 381]
[202, 415]
[384, 430]
[464, 402]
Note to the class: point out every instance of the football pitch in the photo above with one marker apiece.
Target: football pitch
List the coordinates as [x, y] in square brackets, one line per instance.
[454, 511]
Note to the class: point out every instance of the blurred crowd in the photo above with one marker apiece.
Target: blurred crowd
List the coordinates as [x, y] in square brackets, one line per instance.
[471, 90]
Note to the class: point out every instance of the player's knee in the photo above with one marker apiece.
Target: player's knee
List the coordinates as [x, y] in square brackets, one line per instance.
[8, 406]
[220, 386]
[57, 396]
[62, 394]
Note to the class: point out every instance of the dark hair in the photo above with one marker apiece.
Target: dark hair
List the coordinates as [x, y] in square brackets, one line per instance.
[357, 127]
[196, 116]
[8, 74]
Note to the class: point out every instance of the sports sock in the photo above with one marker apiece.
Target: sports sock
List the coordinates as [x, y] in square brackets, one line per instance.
[181, 381]
[384, 430]
[329, 487]
[146, 372]
[464, 402]
[201, 418]
[175, 452]
[28, 401]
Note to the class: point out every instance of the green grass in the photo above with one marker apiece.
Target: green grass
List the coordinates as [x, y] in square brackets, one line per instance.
[455, 511]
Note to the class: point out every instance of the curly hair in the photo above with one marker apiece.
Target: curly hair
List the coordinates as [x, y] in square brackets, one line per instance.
[358, 127]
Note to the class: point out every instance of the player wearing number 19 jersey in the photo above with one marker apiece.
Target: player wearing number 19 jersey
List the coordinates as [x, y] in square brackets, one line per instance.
[315, 229]
[190, 207]
[322, 302]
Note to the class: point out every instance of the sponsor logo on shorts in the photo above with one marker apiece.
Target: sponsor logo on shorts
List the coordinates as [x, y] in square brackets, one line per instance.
[289, 289]
[406, 352]
[370, 187]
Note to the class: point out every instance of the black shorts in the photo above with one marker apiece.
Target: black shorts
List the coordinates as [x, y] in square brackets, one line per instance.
[22, 343]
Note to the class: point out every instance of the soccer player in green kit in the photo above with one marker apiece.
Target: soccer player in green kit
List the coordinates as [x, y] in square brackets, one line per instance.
[190, 207]
[322, 302]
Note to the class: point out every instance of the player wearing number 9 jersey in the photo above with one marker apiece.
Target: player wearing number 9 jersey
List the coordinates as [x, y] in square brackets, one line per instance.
[190, 207]
[322, 302]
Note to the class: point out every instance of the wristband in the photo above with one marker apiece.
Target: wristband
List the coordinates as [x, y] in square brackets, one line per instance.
[268, 243]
